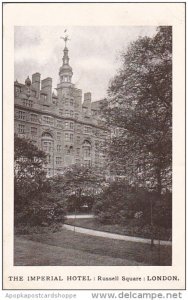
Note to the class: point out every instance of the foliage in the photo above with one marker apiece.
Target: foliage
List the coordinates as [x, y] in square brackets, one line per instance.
[121, 204]
[139, 111]
[29, 175]
[79, 185]
[35, 202]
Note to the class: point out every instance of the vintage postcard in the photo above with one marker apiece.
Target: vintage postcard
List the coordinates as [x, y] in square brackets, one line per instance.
[94, 146]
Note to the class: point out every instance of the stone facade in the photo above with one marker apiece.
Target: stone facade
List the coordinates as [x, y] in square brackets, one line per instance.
[68, 129]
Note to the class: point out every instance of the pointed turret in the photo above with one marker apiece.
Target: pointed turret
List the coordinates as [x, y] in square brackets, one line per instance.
[65, 71]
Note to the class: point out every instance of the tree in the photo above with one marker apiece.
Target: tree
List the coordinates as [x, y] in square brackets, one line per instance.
[79, 185]
[29, 175]
[121, 204]
[35, 202]
[139, 108]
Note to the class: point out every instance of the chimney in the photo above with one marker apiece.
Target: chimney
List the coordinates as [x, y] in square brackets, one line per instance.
[87, 100]
[36, 83]
[46, 87]
[78, 98]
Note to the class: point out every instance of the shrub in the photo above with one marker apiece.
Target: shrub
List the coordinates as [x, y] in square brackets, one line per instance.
[119, 204]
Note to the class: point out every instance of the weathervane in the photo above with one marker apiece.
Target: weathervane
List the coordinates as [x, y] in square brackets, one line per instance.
[65, 38]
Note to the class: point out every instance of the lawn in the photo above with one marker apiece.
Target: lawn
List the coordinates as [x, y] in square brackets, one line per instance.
[129, 229]
[76, 249]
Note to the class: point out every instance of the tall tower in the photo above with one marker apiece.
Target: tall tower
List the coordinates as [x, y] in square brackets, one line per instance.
[65, 71]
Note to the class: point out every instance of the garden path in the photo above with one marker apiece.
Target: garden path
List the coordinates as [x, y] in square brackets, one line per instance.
[114, 235]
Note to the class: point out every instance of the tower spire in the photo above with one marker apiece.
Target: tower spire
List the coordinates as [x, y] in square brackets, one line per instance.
[65, 71]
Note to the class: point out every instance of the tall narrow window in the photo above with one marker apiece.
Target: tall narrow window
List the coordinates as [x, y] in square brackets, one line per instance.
[58, 148]
[58, 136]
[47, 142]
[34, 118]
[66, 137]
[61, 112]
[71, 137]
[49, 158]
[58, 160]
[21, 115]
[21, 128]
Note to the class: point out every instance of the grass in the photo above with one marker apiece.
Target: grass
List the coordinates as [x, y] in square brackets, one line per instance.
[76, 249]
[129, 229]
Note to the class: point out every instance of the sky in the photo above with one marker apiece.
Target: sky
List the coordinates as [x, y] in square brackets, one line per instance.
[94, 53]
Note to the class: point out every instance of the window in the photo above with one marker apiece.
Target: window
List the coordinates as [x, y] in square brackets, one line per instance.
[66, 137]
[87, 163]
[76, 115]
[48, 120]
[71, 137]
[58, 161]
[71, 102]
[86, 129]
[47, 135]
[87, 152]
[67, 150]
[21, 115]
[77, 161]
[66, 125]
[71, 113]
[49, 158]
[21, 128]
[67, 113]
[59, 124]
[87, 149]
[66, 101]
[28, 103]
[61, 112]
[47, 146]
[78, 151]
[34, 118]
[71, 125]
[58, 136]
[78, 139]
[33, 130]
[44, 146]
[58, 148]
[78, 128]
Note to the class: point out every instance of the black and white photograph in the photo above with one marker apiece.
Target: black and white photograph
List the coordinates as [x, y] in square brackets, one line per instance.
[93, 170]
[95, 167]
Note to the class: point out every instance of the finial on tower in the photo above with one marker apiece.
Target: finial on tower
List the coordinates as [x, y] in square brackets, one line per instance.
[65, 38]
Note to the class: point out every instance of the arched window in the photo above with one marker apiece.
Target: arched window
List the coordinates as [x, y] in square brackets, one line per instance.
[47, 135]
[47, 142]
[87, 149]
